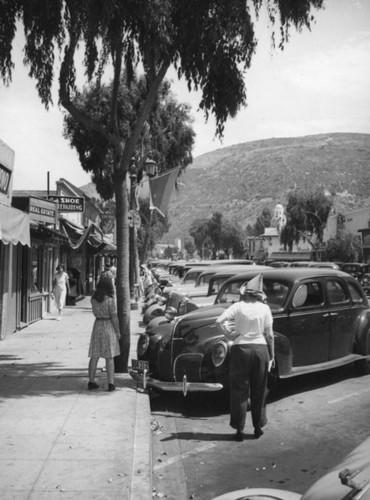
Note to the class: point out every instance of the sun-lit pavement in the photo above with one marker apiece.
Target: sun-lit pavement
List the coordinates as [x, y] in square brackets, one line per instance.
[56, 437]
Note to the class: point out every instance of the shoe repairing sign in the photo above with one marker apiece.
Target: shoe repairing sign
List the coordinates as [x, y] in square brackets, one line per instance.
[69, 203]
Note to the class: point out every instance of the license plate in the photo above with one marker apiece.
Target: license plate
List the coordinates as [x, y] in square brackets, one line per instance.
[140, 365]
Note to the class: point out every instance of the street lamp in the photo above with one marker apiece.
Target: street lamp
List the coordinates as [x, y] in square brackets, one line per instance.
[149, 166]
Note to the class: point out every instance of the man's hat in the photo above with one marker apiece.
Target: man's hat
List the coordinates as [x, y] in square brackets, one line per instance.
[254, 287]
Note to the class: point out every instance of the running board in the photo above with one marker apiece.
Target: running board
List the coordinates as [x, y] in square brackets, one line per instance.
[327, 365]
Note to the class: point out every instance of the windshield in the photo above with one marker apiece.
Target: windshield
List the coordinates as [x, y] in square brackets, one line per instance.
[275, 290]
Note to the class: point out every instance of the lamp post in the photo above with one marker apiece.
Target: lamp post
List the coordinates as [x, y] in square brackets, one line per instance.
[149, 166]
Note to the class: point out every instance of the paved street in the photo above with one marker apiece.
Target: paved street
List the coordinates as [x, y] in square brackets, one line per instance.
[313, 423]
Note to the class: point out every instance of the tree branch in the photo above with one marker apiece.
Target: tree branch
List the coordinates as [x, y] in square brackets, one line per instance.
[66, 81]
[131, 143]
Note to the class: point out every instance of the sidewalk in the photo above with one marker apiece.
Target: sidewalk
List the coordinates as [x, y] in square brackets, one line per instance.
[59, 440]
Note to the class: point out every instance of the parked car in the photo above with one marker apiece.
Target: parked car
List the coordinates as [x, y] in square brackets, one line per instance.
[185, 298]
[350, 479]
[279, 263]
[321, 321]
[332, 265]
[365, 283]
[356, 269]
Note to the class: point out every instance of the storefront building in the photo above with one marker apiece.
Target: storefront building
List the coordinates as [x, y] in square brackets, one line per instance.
[14, 246]
[42, 257]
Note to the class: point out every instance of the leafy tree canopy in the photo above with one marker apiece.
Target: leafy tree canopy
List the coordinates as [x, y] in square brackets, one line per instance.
[307, 214]
[210, 43]
[167, 138]
[345, 247]
[217, 234]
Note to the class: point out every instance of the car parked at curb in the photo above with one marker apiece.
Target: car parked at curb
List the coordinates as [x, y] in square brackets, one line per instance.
[321, 321]
[350, 479]
[356, 269]
[365, 283]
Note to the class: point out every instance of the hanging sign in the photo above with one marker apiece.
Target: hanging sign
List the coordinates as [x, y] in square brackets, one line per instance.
[69, 203]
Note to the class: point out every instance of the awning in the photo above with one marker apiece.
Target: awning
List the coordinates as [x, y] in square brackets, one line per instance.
[14, 226]
[92, 236]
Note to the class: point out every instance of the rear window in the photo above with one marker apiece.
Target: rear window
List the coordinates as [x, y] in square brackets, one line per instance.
[337, 294]
[355, 293]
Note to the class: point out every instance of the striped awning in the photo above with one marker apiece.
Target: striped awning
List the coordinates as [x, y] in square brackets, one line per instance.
[14, 226]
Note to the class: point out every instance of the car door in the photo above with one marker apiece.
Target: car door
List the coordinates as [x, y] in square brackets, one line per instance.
[341, 325]
[309, 323]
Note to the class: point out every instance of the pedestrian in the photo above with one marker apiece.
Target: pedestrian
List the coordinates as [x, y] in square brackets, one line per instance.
[107, 273]
[251, 357]
[60, 289]
[104, 342]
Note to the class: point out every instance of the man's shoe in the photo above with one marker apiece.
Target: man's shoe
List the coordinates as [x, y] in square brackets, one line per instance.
[258, 432]
[92, 385]
[263, 422]
[111, 387]
[239, 436]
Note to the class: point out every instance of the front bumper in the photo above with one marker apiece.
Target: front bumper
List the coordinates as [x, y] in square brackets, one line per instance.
[146, 381]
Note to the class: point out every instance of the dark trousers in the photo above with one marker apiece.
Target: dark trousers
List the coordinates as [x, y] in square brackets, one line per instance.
[248, 378]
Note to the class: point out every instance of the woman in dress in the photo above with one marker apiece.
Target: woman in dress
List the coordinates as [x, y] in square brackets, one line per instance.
[60, 289]
[105, 334]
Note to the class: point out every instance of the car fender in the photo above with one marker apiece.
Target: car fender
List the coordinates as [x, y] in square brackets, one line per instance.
[362, 335]
[153, 311]
[283, 355]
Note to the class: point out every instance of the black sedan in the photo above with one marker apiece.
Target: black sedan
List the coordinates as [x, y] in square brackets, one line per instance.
[321, 321]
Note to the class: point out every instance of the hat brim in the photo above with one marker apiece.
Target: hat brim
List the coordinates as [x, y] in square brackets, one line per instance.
[253, 293]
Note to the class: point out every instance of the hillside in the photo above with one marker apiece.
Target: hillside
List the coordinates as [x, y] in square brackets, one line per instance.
[239, 181]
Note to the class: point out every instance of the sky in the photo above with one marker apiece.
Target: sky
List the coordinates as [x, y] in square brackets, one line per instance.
[318, 84]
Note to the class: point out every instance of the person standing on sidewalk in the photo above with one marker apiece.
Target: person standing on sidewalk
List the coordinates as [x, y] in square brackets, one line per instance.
[105, 333]
[251, 357]
[60, 289]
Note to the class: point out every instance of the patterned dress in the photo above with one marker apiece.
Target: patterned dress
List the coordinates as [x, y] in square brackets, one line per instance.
[104, 338]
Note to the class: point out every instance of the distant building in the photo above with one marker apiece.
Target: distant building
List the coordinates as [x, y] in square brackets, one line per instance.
[356, 222]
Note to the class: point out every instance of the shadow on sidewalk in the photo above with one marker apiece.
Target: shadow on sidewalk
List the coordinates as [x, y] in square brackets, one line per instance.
[22, 380]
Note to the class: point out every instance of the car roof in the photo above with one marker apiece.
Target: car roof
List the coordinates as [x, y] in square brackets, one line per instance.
[294, 273]
[229, 269]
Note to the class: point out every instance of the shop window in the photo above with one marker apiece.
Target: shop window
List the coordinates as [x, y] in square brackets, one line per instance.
[36, 268]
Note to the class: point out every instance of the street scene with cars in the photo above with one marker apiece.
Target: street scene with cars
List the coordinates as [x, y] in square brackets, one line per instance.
[185, 250]
[321, 328]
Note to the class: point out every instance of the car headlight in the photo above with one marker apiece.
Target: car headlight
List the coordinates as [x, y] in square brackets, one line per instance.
[219, 353]
[142, 344]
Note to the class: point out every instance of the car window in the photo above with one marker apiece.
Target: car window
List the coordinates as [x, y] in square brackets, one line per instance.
[276, 292]
[230, 293]
[337, 294]
[355, 293]
[215, 284]
[308, 295]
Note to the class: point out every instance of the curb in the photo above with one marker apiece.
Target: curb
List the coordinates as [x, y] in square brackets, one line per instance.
[141, 476]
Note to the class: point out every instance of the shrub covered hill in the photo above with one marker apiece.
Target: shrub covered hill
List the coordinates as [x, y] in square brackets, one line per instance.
[240, 180]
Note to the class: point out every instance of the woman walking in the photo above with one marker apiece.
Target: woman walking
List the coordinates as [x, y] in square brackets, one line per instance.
[251, 357]
[105, 334]
[60, 289]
